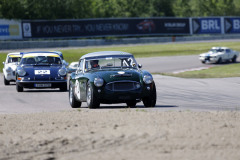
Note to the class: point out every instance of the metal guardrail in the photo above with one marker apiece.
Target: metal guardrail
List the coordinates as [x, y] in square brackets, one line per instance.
[7, 45]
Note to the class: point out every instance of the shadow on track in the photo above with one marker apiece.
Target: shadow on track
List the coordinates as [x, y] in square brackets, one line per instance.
[44, 90]
[137, 106]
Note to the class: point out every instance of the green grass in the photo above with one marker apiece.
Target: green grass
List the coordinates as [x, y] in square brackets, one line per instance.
[168, 49]
[231, 70]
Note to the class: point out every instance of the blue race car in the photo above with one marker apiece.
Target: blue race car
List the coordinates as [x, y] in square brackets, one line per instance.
[41, 70]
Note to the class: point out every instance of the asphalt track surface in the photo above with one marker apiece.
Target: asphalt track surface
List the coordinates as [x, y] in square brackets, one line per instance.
[172, 93]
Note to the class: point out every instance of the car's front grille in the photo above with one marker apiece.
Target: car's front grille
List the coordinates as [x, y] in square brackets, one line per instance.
[123, 86]
[207, 58]
[42, 78]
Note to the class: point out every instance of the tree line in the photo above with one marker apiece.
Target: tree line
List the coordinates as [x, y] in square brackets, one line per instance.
[77, 9]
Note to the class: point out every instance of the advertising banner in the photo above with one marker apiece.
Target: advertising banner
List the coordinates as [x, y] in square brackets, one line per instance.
[105, 27]
[232, 25]
[10, 29]
[206, 25]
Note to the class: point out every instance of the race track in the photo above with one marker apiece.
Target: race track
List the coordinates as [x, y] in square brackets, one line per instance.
[173, 93]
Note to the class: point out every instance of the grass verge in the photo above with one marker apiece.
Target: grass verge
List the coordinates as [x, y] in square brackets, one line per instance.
[231, 70]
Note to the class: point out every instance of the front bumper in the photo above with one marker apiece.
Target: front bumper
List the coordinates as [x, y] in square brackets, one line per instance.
[33, 84]
[208, 58]
[10, 76]
[110, 97]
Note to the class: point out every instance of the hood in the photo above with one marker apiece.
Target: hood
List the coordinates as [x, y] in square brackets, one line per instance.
[211, 53]
[31, 70]
[119, 75]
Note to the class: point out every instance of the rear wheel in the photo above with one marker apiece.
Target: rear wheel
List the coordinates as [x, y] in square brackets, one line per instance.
[131, 104]
[234, 59]
[150, 101]
[19, 88]
[92, 100]
[6, 82]
[72, 100]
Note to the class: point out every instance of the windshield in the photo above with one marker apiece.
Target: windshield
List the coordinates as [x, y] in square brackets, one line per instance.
[110, 63]
[14, 59]
[216, 50]
[42, 60]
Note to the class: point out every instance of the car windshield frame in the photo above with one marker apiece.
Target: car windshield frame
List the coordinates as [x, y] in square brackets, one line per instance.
[10, 59]
[41, 60]
[110, 62]
[216, 50]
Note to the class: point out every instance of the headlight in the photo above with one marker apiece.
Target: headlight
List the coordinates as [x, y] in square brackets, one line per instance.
[9, 69]
[148, 79]
[21, 72]
[62, 72]
[98, 82]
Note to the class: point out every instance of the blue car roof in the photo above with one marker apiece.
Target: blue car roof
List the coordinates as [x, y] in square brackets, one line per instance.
[106, 53]
[39, 52]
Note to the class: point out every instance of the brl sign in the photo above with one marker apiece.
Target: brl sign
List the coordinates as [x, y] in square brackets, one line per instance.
[206, 25]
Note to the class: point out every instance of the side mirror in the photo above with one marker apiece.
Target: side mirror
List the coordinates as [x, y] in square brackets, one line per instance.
[3, 63]
[139, 66]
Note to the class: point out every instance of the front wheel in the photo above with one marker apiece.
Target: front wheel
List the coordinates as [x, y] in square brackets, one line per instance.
[219, 60]
[19, 88]
[203, 62]
[72, 100]
[6, 82]
[92, 100]
[150, 101]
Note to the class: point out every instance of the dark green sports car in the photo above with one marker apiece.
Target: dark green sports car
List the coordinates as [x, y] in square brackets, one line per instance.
[110, 77]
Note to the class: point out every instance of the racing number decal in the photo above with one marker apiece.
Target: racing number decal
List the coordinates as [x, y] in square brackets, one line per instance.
[77, 89]
[128, 62]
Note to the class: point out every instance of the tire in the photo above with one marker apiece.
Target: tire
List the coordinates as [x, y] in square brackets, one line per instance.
[131, 104]
[6, 82]
[19, 88]
[72, 100]
[219, 61]
[92, 100]
[234, 59]
[203, 62]
[64, 87]
[150, 101]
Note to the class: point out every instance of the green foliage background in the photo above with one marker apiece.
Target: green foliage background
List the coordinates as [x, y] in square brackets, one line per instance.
[77, 9]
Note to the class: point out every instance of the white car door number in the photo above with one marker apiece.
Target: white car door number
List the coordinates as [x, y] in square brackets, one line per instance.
[77, 89]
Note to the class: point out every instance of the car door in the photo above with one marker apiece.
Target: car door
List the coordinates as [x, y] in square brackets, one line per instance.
[228, 54]
[79, 81]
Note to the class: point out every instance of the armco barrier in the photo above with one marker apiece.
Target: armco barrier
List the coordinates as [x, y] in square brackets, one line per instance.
[8, 45]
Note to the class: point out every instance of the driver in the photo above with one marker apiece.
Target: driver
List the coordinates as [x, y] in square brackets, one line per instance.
[50, 60]
[94, 63]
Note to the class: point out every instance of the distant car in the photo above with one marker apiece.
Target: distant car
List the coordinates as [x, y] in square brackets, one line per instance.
[61, 55]
[219, 55]
[111, 77]
[72, 67]
[10, 66]
[41, 70]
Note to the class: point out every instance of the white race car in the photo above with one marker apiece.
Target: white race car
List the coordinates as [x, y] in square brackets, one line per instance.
[10, 66]
[219, 55]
